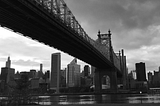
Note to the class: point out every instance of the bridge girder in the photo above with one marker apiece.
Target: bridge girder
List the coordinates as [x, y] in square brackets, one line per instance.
[34, 23]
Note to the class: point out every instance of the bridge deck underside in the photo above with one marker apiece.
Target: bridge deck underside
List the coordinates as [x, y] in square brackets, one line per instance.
[34, 23]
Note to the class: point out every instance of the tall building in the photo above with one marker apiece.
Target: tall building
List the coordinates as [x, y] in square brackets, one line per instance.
[63, 73]
[73, 75]
[8, 63]
[156, 79]
[150, 78]
[63, 78]
[134, 74]
[141, 71]
[92, 71]
[32, 73]
[47, 74]
[55, 71]
[4, 73]
[24, 75]
[7, 73]
[130, 80]
[86, 70]
[41, 67]
[40, 72]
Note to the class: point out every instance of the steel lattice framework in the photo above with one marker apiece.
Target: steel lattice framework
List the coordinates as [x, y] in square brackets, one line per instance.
[59, 9]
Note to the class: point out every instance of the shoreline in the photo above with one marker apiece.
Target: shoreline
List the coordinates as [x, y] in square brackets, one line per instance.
[93, 93]
[107, 104]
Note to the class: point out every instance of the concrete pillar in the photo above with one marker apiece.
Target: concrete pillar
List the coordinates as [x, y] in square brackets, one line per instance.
[113, 80]
[97, 80]
[99, 73]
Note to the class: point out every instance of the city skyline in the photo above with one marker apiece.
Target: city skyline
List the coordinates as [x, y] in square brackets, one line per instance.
[132, 28]
[8, 63]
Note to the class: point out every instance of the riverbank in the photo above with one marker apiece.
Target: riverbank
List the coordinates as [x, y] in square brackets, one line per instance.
[108, 104]
[86, 93]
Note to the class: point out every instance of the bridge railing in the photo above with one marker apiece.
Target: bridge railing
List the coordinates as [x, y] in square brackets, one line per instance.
[60, 10]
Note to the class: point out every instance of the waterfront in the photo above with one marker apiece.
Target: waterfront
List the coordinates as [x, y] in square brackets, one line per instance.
[99, 99]
[109, 99]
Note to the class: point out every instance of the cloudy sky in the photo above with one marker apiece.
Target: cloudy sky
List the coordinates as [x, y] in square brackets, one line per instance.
[134, 24]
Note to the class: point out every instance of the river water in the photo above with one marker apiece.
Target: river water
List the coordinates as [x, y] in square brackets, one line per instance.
[98, 99]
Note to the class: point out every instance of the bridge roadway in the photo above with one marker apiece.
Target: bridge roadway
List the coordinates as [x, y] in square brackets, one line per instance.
[38, 24]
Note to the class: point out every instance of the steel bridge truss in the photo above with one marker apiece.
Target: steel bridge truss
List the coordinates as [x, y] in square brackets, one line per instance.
[59, 10]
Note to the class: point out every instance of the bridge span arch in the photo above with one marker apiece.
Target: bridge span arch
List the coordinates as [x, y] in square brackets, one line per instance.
[44, 20]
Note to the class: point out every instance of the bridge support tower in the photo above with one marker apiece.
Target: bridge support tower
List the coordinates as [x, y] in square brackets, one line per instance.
[99, 73]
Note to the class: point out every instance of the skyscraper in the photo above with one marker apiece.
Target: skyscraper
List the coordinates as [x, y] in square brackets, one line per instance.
[41, 67]
[55, 71]
[86, 70]
[73, 75]
[47, 74]
[8, 63]
[150, 77]
[32, 73]
[7, 73]
[63, 78]
[92, 71]
[141, 71]
[40, 72]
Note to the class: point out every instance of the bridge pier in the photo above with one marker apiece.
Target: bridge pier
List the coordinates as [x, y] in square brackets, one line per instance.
[100, 73]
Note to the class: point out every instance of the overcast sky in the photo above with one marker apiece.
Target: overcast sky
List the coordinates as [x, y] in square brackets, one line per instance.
[134, 24]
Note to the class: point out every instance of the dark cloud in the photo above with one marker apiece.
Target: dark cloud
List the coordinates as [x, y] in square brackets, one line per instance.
[133, 24]
[141, 14]
[123, 17]
[132, 13]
